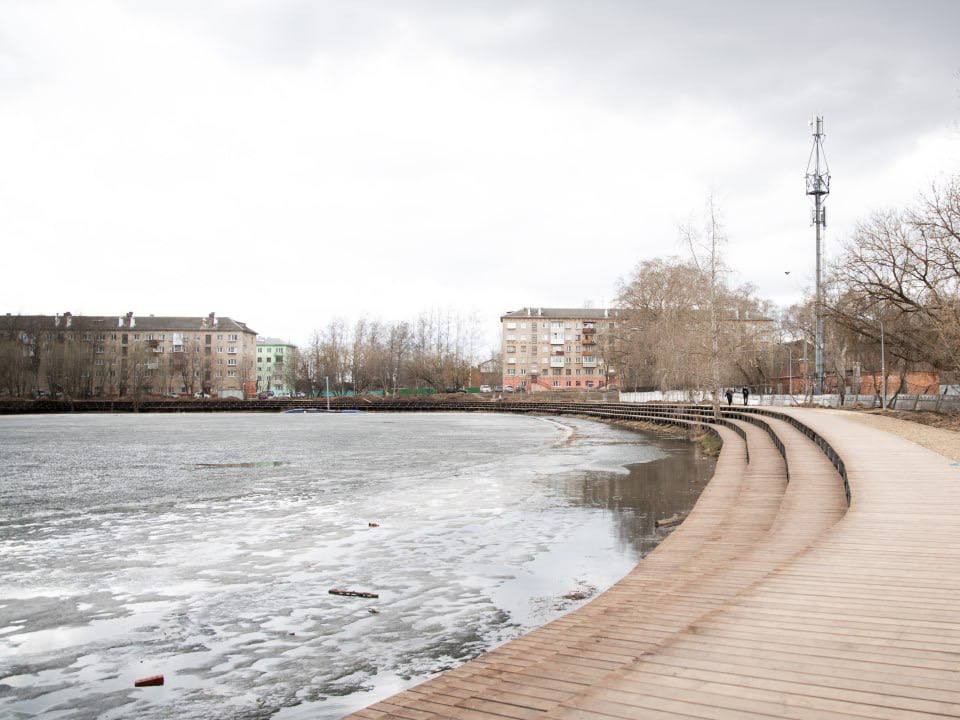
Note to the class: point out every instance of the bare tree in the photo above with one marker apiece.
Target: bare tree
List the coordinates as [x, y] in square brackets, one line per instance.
[906, 262]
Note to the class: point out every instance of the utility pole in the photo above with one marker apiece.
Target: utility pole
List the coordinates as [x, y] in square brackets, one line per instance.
[818, 185]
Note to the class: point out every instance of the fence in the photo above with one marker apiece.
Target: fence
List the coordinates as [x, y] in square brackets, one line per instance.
[934, 403]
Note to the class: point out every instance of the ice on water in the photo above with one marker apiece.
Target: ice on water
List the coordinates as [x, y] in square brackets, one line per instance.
[203, 548]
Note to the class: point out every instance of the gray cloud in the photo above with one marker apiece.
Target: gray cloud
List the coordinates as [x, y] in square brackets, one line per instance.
[540, 148]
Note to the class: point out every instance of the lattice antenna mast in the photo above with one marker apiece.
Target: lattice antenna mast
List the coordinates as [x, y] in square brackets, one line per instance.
[818, 185]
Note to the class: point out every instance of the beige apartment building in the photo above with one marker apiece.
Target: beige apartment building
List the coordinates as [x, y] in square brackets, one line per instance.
[126, 355]
[556, 348]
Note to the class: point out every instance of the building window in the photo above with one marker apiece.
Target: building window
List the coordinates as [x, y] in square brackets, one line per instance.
[232, 338]
[231, 373]
[232, 361]
[259, 359]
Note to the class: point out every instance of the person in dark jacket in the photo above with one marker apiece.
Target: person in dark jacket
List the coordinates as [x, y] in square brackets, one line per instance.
[746, 395]
[729, 396]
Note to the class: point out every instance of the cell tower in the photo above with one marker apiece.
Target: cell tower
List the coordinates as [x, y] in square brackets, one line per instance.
[818, 185]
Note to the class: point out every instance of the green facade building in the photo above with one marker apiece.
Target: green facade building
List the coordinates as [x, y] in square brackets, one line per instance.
[276, 360]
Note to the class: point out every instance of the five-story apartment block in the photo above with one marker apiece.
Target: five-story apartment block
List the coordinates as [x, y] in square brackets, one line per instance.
[556, 348]
[276, 362]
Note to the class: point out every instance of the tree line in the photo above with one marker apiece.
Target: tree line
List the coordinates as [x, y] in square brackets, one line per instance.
[684, 326]
[435, 351]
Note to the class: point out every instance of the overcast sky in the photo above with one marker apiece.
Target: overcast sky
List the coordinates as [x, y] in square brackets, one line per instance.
[287, 161]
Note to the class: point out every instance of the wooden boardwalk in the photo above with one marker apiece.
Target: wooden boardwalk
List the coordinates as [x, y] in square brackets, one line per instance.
[773, 599]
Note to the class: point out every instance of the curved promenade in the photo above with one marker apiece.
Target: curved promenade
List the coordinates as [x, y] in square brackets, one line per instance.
[775, 597]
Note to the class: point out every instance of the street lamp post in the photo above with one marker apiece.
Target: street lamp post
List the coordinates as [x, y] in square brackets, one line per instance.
[790, 372]
[883, 367]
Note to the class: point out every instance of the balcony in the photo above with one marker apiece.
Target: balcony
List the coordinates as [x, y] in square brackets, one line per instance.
[557, 361]
[589, 361]
[589, 340]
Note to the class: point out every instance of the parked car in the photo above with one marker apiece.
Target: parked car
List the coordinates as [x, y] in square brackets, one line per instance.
[485, 388]
[201, 395]
[508, 389]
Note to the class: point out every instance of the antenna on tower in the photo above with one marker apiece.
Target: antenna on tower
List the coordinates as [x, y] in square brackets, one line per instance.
[818, 185]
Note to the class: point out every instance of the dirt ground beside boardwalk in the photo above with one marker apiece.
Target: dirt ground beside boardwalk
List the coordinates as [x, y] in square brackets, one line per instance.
[934, 431]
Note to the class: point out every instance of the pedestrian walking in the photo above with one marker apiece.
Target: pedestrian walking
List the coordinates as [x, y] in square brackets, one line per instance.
[746, 395]
[729, 396]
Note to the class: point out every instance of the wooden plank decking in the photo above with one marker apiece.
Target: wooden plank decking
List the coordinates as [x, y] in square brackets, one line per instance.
[772, 599]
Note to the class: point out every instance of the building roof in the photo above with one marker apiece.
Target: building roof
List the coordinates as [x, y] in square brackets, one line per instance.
[273, 341]
[564, 313]
[105, 323]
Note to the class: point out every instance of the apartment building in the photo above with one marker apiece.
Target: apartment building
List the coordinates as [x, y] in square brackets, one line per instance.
[556, 348]
[116, 356]
[275, 366]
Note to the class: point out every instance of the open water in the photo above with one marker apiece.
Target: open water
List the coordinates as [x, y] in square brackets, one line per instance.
[203, 548]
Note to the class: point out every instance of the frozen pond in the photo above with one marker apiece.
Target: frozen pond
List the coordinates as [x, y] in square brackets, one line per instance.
[203, 547]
